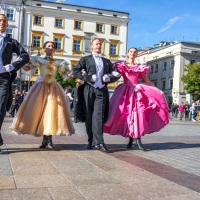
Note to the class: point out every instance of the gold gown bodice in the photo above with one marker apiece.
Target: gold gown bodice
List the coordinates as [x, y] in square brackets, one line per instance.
[47, 67]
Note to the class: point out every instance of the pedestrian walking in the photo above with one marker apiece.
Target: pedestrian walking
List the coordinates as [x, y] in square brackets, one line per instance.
[181, 110]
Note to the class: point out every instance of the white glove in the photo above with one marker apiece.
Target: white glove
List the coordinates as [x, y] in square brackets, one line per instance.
[18, 58]
[9, 67]
[94, 78]
[83, 72]
[106, 78]
[116, 74]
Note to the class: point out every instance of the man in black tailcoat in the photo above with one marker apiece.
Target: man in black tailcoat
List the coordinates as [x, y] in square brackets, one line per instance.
[96, 72]
[8, 70]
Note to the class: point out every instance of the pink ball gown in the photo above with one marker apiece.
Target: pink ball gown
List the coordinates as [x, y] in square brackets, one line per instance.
[136, 109]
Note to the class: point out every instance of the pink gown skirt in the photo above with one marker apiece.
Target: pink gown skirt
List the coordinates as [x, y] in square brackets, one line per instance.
[136, 111]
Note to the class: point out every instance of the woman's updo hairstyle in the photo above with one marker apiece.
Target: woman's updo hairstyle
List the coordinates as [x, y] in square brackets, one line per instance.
[44, 45]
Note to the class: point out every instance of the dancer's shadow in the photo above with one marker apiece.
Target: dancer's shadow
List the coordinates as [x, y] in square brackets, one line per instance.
[112, 147]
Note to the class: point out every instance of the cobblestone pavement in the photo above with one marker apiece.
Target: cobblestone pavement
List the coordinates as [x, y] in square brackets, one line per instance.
[169, 170]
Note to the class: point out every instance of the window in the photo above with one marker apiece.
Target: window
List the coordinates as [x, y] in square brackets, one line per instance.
[73, 64]
[163, 85]
[36, 41]
[9, 32]
[113, 49]
[114, 29]
[100, 27]
[171, 84]
[151, 69]
[59, 23]
[37, 37]
[58, 42]
[38, 20]
[192, 61]
[155, 83]
[78, 25]
[164, 66]
[58, 38]
[77, 45]
[172, 64]
[36, 72]
[10, 14]
[144, 60]
[156, 68]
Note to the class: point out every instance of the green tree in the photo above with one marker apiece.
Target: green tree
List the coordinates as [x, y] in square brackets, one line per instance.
[70, 82]
[192, 79]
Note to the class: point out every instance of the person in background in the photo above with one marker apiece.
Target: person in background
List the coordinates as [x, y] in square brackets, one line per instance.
[194, 111]
[172, 108]
[187, 110]
[181, 110]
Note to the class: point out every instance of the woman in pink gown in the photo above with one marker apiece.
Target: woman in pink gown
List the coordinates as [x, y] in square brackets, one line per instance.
[136, 109]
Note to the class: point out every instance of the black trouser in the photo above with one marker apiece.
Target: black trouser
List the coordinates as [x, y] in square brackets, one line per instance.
[95, 100]
[14, 109]
[75, 110]
[186, 115]
[4, 94]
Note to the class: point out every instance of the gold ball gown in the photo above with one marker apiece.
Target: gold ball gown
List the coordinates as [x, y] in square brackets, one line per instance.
[45, 110]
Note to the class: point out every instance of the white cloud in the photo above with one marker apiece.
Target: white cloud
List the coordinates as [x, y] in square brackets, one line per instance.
[169, 24]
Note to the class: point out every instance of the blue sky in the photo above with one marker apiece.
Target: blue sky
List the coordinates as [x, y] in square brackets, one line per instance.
[153, 21]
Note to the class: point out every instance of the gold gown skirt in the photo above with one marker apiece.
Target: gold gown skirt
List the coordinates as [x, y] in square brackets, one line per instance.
[45, 111]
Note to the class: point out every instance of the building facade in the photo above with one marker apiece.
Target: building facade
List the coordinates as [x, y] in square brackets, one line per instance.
[71, 27]
[167, 62]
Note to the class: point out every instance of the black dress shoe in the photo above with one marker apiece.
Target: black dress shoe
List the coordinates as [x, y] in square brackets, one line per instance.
[49, 143]
[44, 142]
[1, 140]
[89, 145]
[139, 144]
[132, 143]
[97, 147]
[103, 148]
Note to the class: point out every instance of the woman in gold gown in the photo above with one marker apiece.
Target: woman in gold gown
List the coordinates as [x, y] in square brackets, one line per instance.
[45, 111]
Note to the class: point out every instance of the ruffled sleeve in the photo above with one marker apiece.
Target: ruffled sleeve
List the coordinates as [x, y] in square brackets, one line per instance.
[33, 64]
[143, 69]
[63, 68]
[120, 66]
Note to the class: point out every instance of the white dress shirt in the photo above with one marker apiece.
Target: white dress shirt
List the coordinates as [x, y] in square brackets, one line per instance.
[6, 68]
[99, 70]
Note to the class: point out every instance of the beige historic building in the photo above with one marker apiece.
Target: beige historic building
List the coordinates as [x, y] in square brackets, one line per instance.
[167, 62]
[71, 27]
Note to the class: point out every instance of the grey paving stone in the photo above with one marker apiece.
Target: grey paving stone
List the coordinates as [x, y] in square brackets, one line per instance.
[25, 194]
[5, 166]
[41, 181]
[65, 193]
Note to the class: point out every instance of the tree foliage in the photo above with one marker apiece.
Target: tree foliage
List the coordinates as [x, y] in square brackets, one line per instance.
[70, 82]
[192, 79]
